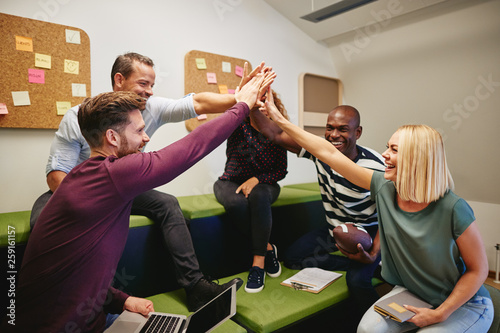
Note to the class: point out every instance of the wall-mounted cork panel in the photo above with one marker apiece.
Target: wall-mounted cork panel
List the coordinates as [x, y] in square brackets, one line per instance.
[45, 70]
[216, 73]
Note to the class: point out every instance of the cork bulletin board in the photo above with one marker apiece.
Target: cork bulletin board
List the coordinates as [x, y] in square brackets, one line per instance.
[45, 71]
[210, 72]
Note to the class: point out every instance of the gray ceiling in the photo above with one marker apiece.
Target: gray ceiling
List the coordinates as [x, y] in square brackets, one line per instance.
[372, 14]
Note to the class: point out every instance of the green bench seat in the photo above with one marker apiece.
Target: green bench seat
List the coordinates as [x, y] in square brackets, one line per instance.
[278, 306]
[206, 205]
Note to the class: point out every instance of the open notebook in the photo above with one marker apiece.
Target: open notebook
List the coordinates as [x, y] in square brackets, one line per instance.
[205, 319]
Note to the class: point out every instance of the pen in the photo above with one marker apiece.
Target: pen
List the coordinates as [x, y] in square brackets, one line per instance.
[300, 286]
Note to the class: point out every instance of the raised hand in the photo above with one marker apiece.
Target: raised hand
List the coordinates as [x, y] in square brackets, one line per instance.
[251, 91]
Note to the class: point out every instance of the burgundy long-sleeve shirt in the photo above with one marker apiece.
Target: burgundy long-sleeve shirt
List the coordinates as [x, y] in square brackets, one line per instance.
[74, 248]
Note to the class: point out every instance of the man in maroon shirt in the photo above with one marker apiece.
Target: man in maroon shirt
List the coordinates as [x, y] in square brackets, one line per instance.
[70, 261]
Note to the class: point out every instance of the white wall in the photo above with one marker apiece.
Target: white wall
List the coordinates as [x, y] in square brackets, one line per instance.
[431, 67]
[165, 31]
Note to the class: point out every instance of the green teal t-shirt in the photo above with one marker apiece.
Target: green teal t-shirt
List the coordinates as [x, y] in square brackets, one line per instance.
[418, 249]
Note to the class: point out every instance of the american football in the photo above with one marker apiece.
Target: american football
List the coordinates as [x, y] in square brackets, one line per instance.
[348, 235]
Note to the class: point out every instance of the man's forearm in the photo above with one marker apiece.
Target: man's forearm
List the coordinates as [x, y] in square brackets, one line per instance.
[54, 179]
[207, 102]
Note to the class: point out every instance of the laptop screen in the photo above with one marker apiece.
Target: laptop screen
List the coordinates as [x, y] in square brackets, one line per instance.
[211, 314]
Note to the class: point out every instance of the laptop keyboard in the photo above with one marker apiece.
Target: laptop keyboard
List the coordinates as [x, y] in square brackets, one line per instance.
[160, 323]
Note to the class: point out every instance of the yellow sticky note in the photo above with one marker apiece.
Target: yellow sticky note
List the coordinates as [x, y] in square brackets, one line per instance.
[62, 108]
[397, 307]
[200, 63]
[21, 98]
[71, 66]
[24, 43]
[43, 61]
[223, 89]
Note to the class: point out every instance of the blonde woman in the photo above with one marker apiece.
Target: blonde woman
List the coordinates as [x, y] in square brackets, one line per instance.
[428, 237]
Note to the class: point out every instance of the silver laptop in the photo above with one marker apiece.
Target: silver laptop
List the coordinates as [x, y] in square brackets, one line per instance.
[211, 315]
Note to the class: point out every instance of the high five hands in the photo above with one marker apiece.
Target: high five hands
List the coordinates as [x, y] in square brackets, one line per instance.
[253, 86]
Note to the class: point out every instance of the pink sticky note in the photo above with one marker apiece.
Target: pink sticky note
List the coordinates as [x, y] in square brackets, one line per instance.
[3, 109]
[36, 75]
[211, 78]
[231, 91]
[238, 71]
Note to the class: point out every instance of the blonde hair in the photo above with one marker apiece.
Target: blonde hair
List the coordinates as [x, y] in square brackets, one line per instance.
[423, 174]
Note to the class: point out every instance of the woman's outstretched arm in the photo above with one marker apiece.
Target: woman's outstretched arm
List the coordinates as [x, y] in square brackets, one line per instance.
[319, 147]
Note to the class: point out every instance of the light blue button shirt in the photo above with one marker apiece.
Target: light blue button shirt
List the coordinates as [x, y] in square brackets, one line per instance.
[69, 147]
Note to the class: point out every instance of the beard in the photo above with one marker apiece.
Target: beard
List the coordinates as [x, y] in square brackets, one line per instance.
[124, 148]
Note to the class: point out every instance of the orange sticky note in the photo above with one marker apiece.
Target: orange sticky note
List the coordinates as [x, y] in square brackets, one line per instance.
[24, 43]
[223, 89]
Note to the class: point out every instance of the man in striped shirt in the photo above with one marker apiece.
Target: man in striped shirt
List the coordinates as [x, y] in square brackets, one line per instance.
[342, 200]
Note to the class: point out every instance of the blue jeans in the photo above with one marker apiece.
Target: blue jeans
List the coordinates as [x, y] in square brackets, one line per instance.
[110, 319]
[474, 316]
[165, 211]
[313, 250]
[252, 215]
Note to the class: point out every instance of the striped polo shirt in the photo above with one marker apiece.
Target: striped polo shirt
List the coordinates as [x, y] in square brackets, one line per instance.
[343, 201]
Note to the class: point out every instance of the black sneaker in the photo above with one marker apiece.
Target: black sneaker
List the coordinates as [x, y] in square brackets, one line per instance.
[273, 267]
[205, 290]
[256, 278]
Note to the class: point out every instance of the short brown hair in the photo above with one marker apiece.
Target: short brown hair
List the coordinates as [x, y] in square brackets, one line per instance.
[124, 64]
[108, 110]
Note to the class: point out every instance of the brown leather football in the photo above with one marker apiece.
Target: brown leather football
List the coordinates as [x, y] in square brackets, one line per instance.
[348, 235]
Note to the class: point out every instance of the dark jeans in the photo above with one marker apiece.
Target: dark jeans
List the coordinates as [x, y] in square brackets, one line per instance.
[313, 250]
[252, 215]
[165, 211]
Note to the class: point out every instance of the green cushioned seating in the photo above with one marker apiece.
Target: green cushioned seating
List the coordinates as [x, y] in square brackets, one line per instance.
[291, 196]
[200, 206]
[206, 205]
[20, 221]
[139, 221]
[278, 306]
[305, 186]
[15, 221]
[174, 302]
